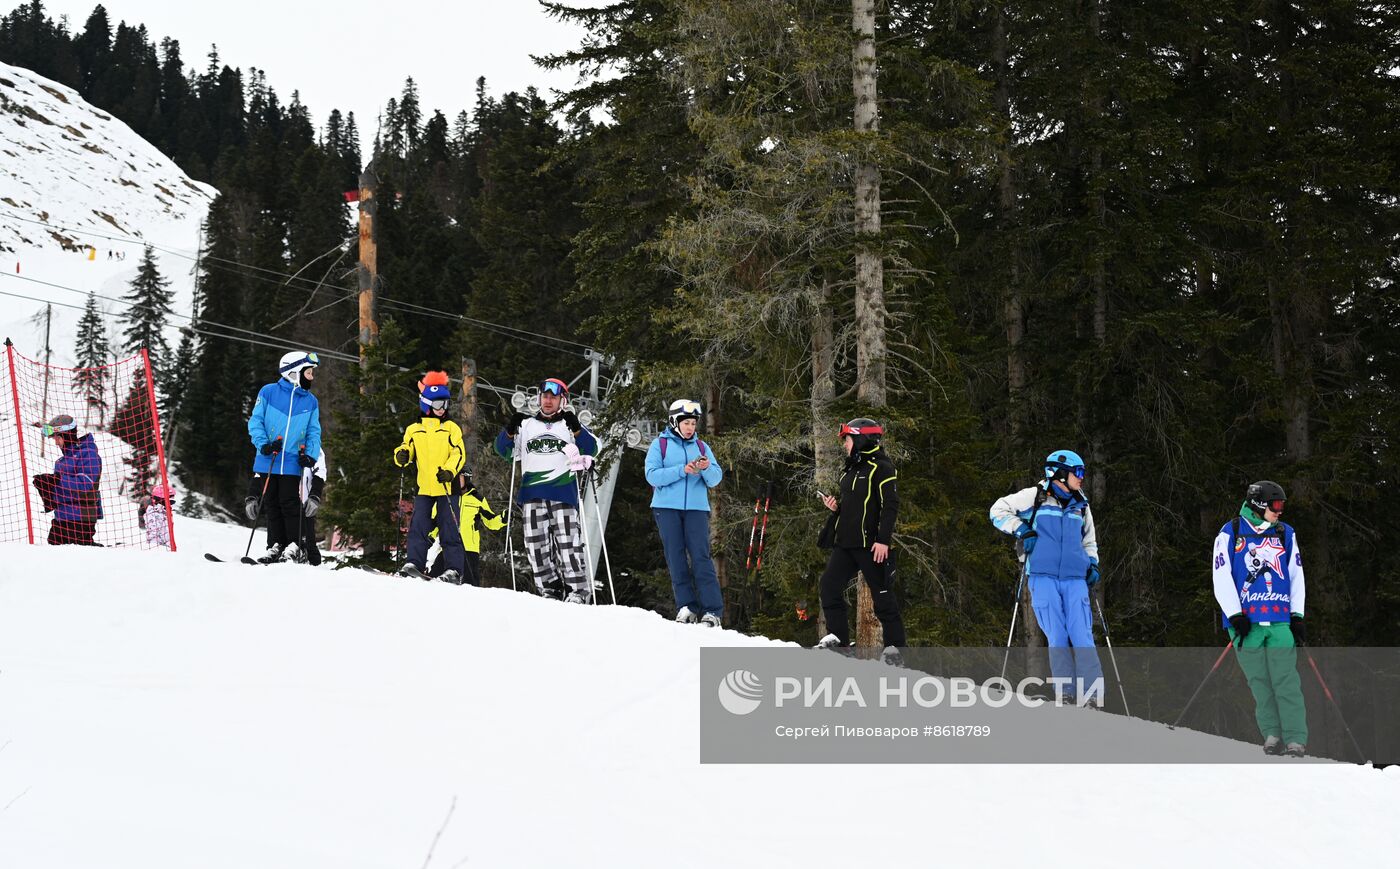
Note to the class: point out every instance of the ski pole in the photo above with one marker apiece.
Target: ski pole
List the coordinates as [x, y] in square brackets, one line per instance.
[456, 523]
[1020, 581]
[753, 532]
[583, 526]
[247, 550]
[398, 512]
[1213, 667]
[510, 511]
[1335, 705]
[1112, 657]
[603, 539]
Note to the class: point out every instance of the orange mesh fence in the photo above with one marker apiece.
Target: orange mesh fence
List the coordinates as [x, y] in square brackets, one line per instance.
[81, 456]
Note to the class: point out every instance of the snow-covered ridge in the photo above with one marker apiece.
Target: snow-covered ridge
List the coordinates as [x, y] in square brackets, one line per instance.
[64, 162]
[76, 182]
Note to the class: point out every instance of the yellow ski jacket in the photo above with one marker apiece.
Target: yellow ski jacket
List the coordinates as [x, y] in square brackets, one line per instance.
[433, 444]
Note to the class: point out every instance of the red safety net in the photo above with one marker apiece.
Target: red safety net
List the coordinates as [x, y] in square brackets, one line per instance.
[81, 456]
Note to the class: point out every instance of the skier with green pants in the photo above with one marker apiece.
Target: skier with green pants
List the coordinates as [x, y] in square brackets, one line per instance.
[1258, 575]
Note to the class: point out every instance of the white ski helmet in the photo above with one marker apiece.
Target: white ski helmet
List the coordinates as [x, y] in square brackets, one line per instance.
[294, 363]
[683, 408]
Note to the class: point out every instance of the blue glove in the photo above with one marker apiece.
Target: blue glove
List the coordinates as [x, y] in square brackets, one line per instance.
[1092, 576]
[1026, 534]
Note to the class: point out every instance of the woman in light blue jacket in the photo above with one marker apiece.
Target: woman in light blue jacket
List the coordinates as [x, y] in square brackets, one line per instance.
[682, 469]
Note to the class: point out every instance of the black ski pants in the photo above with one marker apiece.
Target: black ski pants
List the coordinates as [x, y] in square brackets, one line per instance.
[281, 505]
[843, 564]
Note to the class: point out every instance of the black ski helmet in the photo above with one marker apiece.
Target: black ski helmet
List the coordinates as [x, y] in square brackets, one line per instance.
[1266, 495]
[865, 433]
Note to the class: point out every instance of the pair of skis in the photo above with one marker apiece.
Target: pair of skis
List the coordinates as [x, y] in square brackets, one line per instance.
[754, 560]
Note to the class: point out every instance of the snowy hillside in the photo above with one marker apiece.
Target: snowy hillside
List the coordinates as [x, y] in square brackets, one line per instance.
[67, 164]
[157, 710]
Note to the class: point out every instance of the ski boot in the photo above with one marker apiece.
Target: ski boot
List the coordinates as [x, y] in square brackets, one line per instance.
[890, 655]
[1295, 749]
[686, 616]
[830, 641]
[273, 555]
[412, 571]
[451, 576]
[577, 596]
[1273, 745]
[710, 620]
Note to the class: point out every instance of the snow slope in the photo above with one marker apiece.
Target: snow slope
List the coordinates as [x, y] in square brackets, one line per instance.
[157, 710]
[67, 164]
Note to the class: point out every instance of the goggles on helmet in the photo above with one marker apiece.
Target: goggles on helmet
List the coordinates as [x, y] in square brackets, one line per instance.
[861, 430]
[310, 360]
[554, 387]
[439, 403]
[51, 430]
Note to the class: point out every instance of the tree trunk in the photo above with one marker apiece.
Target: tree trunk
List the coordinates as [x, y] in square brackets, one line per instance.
[714, 423]
[870, 265]
[1013, 303]
[1098, 481]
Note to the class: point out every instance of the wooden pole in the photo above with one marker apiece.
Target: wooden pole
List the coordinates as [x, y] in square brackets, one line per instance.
[369, 261]
[469, 407]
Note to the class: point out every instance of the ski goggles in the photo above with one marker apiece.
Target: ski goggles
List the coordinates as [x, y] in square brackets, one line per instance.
[860, 430]
[310, 359]
[51, 430]
[682, 409]
[1075, 470]
[439, 403]
[554, 387]
[1275, 505]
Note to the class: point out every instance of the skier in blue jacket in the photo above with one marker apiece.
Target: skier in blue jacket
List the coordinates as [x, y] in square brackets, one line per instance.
[682, 469]
[285, 429]
[1053, 523]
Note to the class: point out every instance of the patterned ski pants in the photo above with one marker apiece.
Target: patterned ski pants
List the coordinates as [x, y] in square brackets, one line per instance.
[554, 542]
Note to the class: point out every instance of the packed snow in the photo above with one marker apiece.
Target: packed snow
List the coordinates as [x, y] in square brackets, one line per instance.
[159, 710]
[75, 180]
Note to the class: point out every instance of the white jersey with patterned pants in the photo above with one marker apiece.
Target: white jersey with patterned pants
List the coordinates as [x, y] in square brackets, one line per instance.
[549, 501]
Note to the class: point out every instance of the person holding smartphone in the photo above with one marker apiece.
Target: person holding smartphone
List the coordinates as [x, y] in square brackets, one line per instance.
[682, 469]
[858, 533]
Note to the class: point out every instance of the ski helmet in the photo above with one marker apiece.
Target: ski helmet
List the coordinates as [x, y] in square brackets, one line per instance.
[1266, 495]
[865, 433]
[1061, 463]
[294, 363]
[433, 392]
[162, 493]
[683, 408]
[61, 424]
[554, 386]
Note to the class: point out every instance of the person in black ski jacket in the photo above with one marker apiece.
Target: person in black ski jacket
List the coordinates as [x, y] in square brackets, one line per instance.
[858, 533]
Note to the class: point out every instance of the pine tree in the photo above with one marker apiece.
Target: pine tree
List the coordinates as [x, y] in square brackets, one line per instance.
[149, 310]
[91, 353]
[368, 427]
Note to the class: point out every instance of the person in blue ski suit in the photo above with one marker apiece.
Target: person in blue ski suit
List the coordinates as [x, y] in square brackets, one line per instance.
[682, 469]
[1055, 528]
[285, 428]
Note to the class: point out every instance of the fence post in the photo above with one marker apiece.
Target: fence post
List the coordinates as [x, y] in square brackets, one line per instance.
[19, 432]
[160, 444]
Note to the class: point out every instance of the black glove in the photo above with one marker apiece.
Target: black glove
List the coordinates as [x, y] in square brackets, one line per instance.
[401, 456]
[305, 461]
[513, 426]
[571, 420]
[272, 447]
[444, 475]
[1300, 631]
[1241, 623]
[310, 508]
